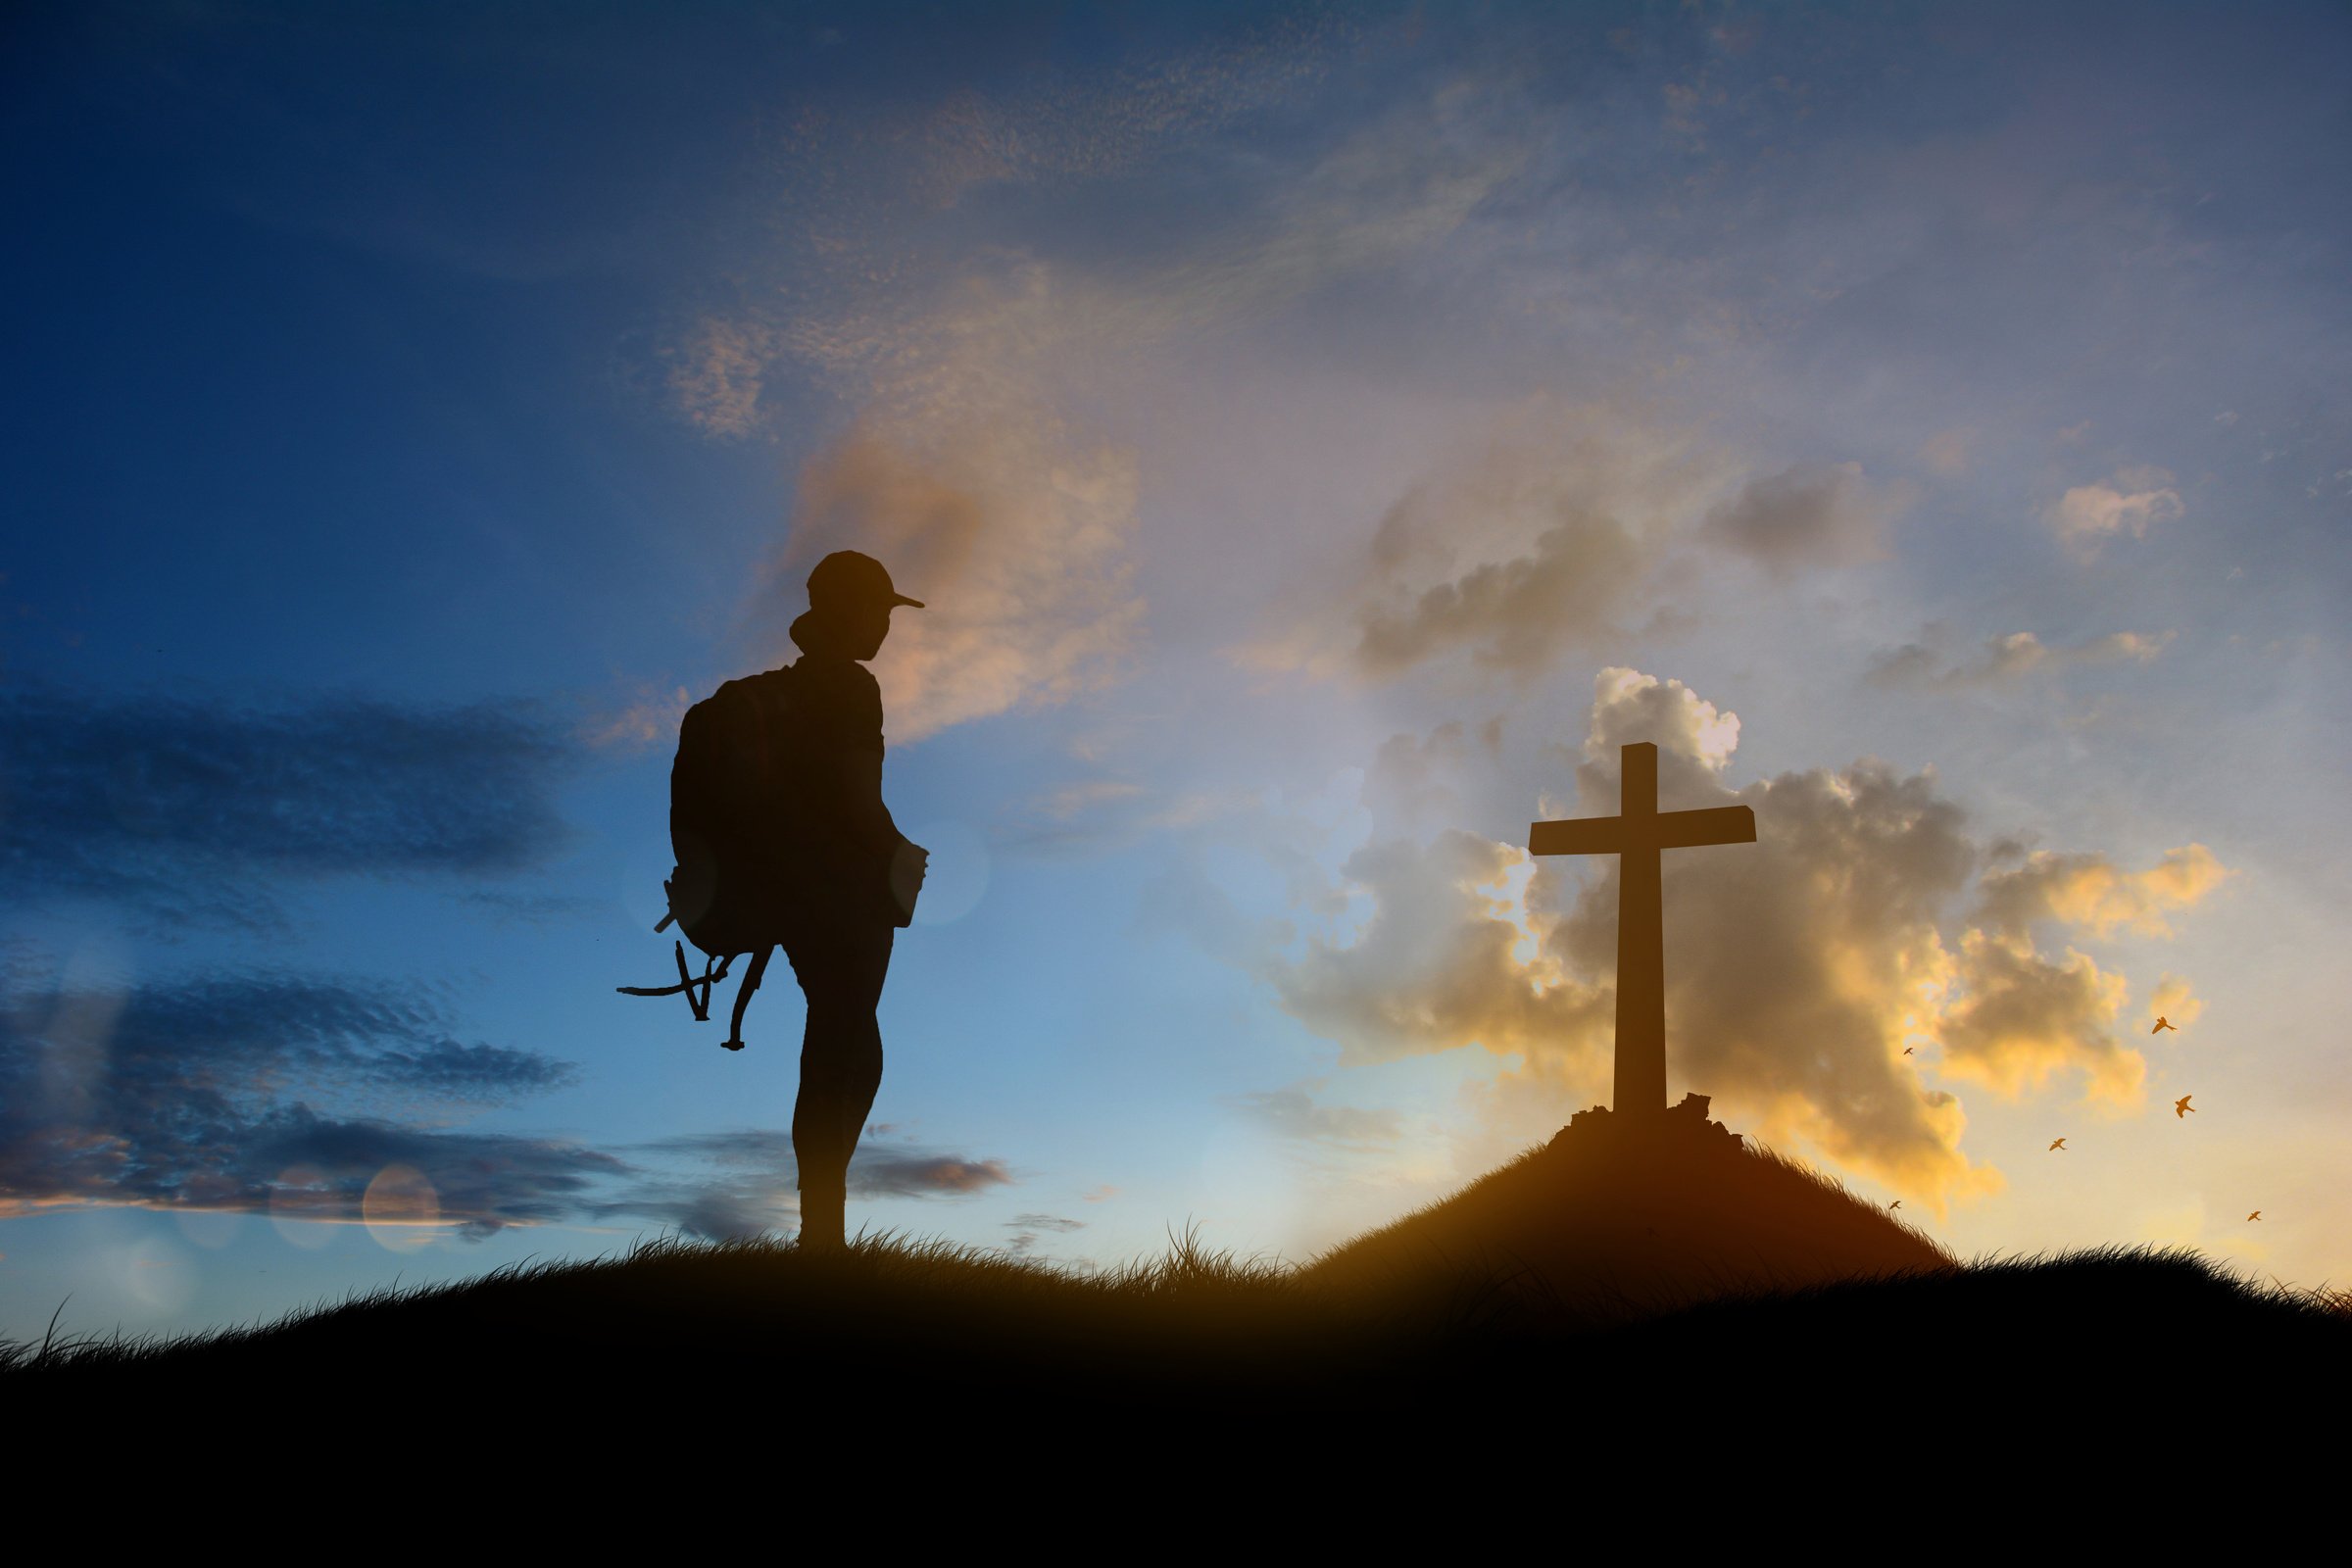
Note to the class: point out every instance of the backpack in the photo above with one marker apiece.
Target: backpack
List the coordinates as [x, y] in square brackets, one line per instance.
[731, 794]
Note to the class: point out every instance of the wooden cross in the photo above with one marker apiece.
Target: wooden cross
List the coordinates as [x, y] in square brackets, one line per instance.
[1636, 835]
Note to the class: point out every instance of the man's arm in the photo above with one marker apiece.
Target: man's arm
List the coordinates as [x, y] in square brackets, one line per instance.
[849, 708]
[865, 820]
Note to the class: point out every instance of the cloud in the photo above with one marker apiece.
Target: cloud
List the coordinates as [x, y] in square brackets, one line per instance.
[937, 153]
[748, 1148]
[1098, 814]
[1629, 706]
[1437, 964]
[1514, 615]
[253, 1032]
[867, 250]
[1544, 539]
[1046, 1222]
[1865, 919]
[2090, 890]
[1947, 452]
[1388, 194]
[483, 1182]
[1029, 1227]
[1183, 902]
[197, 812]
[443, 1069]
[1017, 536]
[290, 1096]
[201, 1094]
[1412, 777]
[716, 1215]
[1296, 1114]
[1824, 515]
[717, 373]
[1568, 526]
[745, 1180]
[649, 719]
[919, 1175]
[2018, 1019]
[535, 909]
[1017, 528]
[1092, 127]
[2087, 516]
[2003, 660]
[734, 1184]
[1068, 799]
[877, 1170]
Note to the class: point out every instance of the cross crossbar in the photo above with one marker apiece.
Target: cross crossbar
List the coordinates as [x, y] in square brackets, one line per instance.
[1666, 830]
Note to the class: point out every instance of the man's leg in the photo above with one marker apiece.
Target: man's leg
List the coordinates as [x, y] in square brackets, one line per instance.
[841, 1069]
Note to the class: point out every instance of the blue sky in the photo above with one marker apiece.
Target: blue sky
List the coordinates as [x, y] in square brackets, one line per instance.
[1322, 436]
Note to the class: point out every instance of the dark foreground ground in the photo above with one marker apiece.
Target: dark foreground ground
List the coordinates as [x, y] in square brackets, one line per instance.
[724, 1351]
[1443, 1373]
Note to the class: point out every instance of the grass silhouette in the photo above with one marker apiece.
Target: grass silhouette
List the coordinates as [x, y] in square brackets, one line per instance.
[1533, 1296]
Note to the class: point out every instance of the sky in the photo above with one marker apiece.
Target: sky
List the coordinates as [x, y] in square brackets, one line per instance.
[1322, 436]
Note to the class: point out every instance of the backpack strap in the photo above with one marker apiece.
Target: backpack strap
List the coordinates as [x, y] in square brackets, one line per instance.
[688, 983]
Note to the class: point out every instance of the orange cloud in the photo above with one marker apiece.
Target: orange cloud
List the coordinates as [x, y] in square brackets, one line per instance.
[1016, 538]
[1438, 965]
[2089, 891]
[2087, 516]
[2016, 1018]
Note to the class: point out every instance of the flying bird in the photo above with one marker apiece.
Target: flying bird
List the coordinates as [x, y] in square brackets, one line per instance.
[2055, 1143]
[2163, 1023]
[2181, 1108]
[2257, 1214]
[1906, 1051]
[1892, 1207]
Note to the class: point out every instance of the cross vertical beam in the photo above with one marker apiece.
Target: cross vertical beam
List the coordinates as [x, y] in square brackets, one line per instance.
[1637, 835]
[1641, 1068]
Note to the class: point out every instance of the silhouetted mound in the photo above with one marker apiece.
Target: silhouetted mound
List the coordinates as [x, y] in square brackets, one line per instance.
[1618, 1219]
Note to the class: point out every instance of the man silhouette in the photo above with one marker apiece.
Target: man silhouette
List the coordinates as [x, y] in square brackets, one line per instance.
[858, 877]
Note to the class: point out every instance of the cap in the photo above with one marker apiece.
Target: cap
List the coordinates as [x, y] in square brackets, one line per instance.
[854, 577]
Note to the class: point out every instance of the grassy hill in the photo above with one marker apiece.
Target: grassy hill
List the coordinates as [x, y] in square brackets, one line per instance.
[1565, 1305]
[1605, 1228]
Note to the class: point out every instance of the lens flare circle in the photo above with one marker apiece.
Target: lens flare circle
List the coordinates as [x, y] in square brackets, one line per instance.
[301, 1200]
[402, 1209]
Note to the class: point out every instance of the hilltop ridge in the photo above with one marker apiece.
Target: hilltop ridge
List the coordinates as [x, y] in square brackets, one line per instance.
[1618, 1219]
